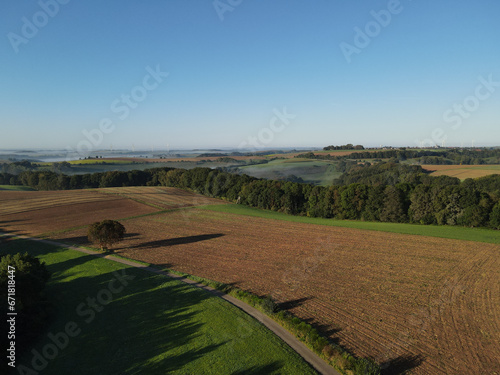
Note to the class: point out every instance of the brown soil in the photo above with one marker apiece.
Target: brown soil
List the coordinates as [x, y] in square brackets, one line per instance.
[411, 302]
[423, 304]
[35, 213]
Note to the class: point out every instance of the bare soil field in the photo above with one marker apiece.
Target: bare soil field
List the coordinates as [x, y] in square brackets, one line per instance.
[20, 201]
[423, 304]
[463, 171]
[38, 212]
[161, 197]
[411, 302]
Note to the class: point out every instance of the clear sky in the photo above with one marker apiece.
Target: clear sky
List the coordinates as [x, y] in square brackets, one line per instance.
[366, 72]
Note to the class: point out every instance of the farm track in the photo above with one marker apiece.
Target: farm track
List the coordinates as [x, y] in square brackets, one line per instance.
[423, 304]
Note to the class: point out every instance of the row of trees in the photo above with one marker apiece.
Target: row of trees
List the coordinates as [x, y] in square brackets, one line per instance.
[348, 146]
[401, 154]
[425, 200]
[383, 192]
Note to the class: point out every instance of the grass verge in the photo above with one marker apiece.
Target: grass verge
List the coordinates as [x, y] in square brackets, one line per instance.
[16, 188]
[332, 353]
[452, 232]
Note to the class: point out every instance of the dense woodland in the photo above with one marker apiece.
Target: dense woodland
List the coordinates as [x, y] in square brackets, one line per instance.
[441, 157]
[389, 192]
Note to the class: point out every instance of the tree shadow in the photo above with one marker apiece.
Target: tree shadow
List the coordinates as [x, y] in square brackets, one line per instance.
[327, 330]
[261, 370]
[177, 241]
[9, 233]
[10, 221]
[288, 305]
[147, 324]
[83, 240]
[149, 316]
[165, 266]
[61, 270]
[402, 364]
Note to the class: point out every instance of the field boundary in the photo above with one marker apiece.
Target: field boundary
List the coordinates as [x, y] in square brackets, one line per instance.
[459, 233]
[300, 348]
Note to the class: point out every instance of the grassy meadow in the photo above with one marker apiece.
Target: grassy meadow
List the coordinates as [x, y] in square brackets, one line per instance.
[318, 172]
[152, 325]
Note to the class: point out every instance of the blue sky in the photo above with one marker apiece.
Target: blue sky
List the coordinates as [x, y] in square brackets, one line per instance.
[421, 72]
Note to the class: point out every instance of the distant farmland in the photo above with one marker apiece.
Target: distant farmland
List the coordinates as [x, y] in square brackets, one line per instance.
[318, 172]
[425, 304]
[463, 171]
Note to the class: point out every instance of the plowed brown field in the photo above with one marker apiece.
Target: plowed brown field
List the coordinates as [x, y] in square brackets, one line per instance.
[428, 305]
[20, 201]
[38, 212]
[162, 197]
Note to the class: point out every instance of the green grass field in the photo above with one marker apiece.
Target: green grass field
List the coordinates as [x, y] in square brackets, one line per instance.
[458, 233]
[151, 325]
[318, 172]
[16, 188]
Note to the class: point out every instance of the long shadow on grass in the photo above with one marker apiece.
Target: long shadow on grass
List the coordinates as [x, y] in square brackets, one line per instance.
[83, 240]
[11, 232]
[401, 364]
[14, 245]
[150, 326]
[177, 241]
[261, 370]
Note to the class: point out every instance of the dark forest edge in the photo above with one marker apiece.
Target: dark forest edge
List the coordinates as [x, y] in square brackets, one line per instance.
[434, 156]
[386, 192]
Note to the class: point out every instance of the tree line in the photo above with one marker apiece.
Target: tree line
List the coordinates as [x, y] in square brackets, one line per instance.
[384, 192]
[442, 157]
[348, 146]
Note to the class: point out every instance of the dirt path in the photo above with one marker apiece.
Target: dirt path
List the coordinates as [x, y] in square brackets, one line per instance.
[309, 356]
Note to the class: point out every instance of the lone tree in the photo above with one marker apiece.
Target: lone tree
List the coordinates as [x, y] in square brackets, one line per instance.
[106, 233]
